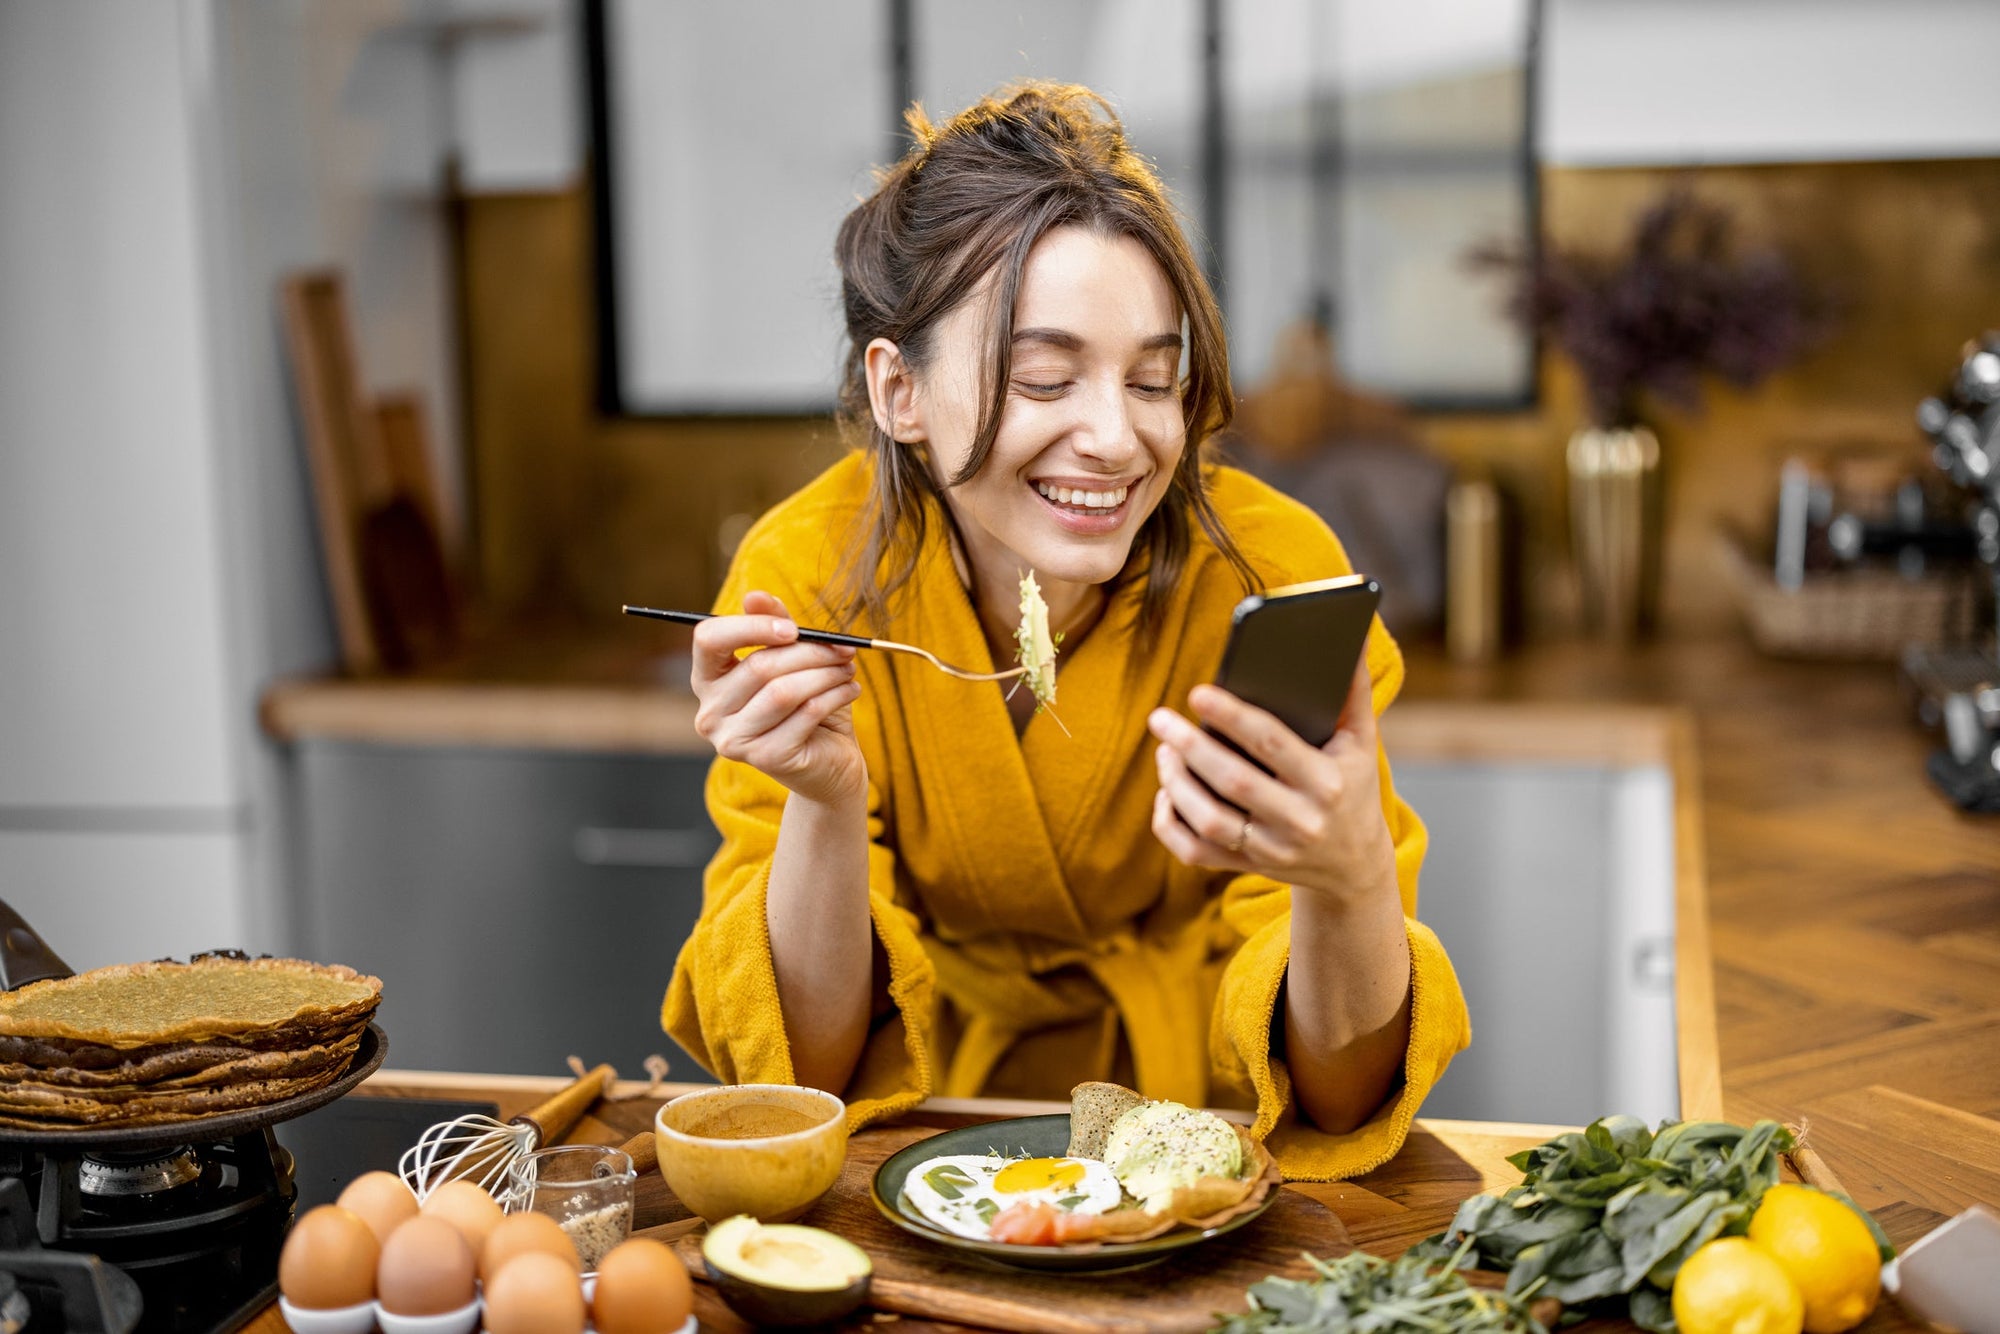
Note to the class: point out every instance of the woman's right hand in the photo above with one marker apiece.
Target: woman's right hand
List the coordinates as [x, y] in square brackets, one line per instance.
[783, 709]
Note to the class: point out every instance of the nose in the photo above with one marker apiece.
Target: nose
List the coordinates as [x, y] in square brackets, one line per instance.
[1106, 431]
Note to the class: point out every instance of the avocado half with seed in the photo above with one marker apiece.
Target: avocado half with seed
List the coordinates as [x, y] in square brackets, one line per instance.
[784, 1274]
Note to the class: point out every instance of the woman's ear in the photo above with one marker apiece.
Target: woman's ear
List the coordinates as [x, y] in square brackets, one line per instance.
[892, 393]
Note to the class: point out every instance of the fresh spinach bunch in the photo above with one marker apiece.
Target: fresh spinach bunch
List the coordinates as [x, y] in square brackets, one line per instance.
[1359, 1294]
[1610, 1213]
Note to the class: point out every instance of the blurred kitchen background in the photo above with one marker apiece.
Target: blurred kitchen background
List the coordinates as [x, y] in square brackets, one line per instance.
[359, 358]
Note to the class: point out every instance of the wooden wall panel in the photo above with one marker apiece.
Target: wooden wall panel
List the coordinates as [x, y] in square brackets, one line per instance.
[1911, 253]
[528, 359]
[576, 512]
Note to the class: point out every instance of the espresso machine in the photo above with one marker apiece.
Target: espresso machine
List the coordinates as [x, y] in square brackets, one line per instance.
[1959, 688]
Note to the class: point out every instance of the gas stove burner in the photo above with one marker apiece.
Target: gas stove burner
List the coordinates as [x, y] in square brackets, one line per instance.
[149, 1207]
[193, 1230]
[110, 1172]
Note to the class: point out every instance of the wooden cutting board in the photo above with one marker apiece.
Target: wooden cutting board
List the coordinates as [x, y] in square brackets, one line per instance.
[918, 1278]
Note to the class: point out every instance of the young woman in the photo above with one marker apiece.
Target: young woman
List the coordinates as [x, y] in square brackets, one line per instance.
[928, 886]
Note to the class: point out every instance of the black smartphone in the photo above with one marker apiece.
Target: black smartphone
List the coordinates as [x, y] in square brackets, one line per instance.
[1292, 651]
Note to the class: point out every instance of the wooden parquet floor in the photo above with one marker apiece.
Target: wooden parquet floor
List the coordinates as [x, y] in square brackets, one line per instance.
[1854, 914]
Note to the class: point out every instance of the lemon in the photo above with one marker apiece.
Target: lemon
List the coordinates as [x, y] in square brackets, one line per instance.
[1828, 1251]
[1731, 1287]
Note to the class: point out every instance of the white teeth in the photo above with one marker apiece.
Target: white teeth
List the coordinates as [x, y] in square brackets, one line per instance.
[1102, 500]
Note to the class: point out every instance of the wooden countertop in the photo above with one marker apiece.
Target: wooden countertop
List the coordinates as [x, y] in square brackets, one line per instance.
[1851, 914]
[1384, 1212]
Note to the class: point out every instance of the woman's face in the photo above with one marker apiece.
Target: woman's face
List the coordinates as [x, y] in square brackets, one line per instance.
[1092, 429]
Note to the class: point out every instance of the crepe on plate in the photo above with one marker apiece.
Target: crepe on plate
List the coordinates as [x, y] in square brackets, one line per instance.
[216, 996]
[138, 1044]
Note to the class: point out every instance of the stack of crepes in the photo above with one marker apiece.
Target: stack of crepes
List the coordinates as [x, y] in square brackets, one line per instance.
[150, 1043]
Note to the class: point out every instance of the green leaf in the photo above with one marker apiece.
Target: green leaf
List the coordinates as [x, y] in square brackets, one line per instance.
[1665, 1219]
[1648, 1222]
[1629, 1133]
[988, 1210]
[1480, 1214]
[1503, 1244]
[1654, 1310]
[1578, 1267]
[949, 1181]
[1593, 1191]
[1732, 1216]
[1437, 1248]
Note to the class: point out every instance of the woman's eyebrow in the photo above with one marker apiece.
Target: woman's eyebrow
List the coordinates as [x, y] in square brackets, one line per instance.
[1069, 342]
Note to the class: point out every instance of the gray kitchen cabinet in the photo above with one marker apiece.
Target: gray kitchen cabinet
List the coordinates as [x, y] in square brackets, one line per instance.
[519, 906]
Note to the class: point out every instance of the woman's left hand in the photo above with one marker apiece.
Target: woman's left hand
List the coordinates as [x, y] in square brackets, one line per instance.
[1314, 822]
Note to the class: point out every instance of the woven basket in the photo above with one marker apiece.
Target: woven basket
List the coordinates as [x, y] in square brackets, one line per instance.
[1856, 614]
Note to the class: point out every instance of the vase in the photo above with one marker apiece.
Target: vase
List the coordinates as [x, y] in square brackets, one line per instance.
[1615, 515]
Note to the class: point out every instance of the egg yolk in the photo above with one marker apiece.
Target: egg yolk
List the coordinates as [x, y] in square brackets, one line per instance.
[1037, 1174]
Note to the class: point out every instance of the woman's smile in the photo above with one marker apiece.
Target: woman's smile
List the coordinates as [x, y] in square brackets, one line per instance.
[1092, 429]
[1088, 507]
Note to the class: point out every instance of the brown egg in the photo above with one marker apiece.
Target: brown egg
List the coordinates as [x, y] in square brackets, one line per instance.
[467, 1208]
[328, 1260]
[518, 1234]
[535, 1293]
[382, 1200]
[426, 1269]
[642, 1288]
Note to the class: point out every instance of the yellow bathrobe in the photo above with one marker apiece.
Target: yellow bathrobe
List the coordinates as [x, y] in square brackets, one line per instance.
[1032, 932]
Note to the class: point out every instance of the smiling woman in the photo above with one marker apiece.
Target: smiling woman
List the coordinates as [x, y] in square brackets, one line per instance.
[1093, 369]
[923, 887]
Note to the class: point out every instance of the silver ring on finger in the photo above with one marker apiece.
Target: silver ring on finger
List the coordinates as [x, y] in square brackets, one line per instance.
[1235, 845]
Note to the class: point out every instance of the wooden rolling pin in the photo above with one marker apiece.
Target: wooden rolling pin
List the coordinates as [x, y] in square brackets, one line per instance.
[553, 1119]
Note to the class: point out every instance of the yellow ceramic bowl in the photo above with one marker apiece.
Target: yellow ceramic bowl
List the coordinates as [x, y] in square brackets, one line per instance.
[767, 1150]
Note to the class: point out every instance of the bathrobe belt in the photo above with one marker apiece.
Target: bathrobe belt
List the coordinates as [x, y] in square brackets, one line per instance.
[1162, 991]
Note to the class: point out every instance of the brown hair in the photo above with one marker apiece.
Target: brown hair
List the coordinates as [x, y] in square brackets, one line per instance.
[972, 197]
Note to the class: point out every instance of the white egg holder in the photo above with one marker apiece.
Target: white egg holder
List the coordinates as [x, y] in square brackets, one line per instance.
[364, 1317]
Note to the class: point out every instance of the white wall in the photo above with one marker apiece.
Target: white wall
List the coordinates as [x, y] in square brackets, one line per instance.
[1636, 82]
[111, 641]
[162, 165]
[119, 789]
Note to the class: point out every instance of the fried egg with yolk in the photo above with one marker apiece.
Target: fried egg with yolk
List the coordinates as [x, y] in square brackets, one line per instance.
[963, 1193]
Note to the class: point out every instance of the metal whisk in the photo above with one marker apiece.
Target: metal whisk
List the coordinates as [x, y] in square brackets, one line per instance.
[483, 1151]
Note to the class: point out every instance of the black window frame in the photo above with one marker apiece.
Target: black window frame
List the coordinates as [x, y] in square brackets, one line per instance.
[1214, 170]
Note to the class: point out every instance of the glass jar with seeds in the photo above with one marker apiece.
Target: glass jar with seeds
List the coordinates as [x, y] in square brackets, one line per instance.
[586, 1188]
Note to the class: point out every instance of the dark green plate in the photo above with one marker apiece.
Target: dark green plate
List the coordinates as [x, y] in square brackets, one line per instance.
[1028, 1137]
